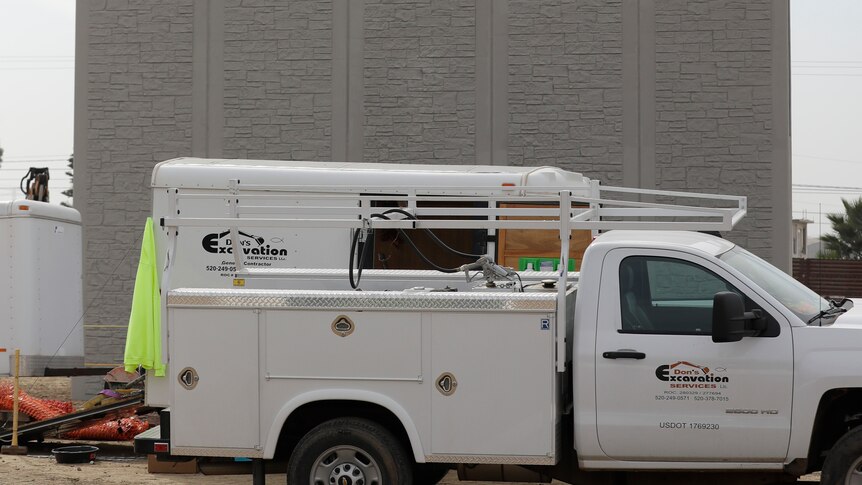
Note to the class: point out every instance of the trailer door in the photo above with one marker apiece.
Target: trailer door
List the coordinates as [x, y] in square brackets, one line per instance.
[664, 390]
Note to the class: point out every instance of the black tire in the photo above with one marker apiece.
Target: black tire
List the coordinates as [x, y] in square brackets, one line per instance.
[429, 473]
[843, 464]
[360, 450]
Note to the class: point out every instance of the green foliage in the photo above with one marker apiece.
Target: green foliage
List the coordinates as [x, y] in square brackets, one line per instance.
[68, 192]
[827, 254]
[846, 243]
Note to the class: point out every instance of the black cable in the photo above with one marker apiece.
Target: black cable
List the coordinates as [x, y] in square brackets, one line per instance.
[21, 185]
[366, 247]
[350, 262]
[416, 248]
[434, 237]
[520, 282]
[355, 284]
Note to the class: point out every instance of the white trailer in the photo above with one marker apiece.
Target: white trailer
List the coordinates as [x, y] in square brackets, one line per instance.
[670, 351]
[40, 266]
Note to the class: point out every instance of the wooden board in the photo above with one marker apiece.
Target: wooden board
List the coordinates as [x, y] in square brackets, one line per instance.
[514, 244]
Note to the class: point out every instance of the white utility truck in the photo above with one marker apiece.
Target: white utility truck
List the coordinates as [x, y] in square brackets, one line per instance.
[670, 354]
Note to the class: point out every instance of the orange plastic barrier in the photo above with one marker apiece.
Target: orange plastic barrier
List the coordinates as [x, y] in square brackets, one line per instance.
[38, 409]
[123, 429]
[108, 429]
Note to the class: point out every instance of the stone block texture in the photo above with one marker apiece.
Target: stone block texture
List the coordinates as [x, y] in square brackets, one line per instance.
[713, 120]
[278, 79]
[419, 81]
[139, 110]
[565, 86]
[419, 67]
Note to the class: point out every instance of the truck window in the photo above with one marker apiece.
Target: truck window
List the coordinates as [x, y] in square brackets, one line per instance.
[665, 295]
[791, 293]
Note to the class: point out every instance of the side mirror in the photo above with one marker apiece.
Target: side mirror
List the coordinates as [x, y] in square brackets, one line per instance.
[730, 321]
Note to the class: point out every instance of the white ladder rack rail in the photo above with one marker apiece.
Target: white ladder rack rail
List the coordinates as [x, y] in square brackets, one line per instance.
[251, 206]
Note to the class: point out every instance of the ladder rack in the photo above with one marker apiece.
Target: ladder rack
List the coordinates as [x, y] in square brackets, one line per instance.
[589, 207]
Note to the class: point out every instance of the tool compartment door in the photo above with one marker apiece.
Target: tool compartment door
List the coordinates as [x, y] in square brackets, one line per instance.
[216, 402]
[501, 398]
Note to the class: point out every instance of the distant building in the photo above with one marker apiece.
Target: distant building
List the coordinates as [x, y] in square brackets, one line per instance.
[815, 245]
[683, 94]
[799, 247]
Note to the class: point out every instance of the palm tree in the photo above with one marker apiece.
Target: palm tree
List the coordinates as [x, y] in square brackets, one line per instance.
[846, 243]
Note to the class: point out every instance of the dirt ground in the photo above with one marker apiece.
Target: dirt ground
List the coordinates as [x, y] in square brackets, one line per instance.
[42, 469]
[58, 388]
[116, 465]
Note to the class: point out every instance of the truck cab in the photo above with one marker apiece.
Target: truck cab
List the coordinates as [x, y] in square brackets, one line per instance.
[697, 400]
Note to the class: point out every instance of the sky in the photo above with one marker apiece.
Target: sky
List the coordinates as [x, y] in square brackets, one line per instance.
[826, 106]
[37, 47]
[37, 53]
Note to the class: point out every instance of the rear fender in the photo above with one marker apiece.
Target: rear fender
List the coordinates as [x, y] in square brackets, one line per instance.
[344, 395]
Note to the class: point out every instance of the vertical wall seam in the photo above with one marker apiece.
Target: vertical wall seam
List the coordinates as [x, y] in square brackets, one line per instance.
[781, 138]
[499, 112]
[348, 78]
[340, 80]
[355, 109]
[215, 79]
[631, 93]
[81, 135]
[200, 73]
[81, 110]
[647, 93]
[484, 87]
[491, 84]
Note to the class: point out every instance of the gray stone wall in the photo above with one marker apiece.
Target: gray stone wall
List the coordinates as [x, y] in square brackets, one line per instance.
[714, 98]
[138, 103]
[674, 94]
[278, 79]
[419, 81]
[565, 86]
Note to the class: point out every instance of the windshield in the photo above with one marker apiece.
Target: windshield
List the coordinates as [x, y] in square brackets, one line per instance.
[794, 295]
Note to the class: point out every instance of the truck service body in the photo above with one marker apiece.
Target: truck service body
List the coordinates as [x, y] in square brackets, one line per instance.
[669, 351]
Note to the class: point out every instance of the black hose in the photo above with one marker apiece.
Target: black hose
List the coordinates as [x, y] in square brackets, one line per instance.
[365, 248]
[434, 237]
[353, 284]
[353, 248]
[413, 245]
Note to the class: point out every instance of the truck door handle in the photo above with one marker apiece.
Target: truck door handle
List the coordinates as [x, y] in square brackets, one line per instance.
[624, 354]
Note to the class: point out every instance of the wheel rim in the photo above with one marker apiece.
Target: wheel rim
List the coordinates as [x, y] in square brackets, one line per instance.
[346, 465]
[854, 473]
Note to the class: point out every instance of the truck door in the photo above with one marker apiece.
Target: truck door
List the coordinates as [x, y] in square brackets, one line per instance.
[664, 390]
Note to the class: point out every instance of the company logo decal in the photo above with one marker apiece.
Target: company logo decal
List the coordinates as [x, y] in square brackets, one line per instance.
[684, 374]
[220, 243]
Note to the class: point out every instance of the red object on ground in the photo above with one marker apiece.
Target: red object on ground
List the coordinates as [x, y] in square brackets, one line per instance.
[122, 429]
[65, 407]
[109, 429]
[38, 409]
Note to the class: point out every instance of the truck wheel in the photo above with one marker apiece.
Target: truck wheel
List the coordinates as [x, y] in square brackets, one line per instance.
[429, 473]
[843, 464]
[349, 451]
